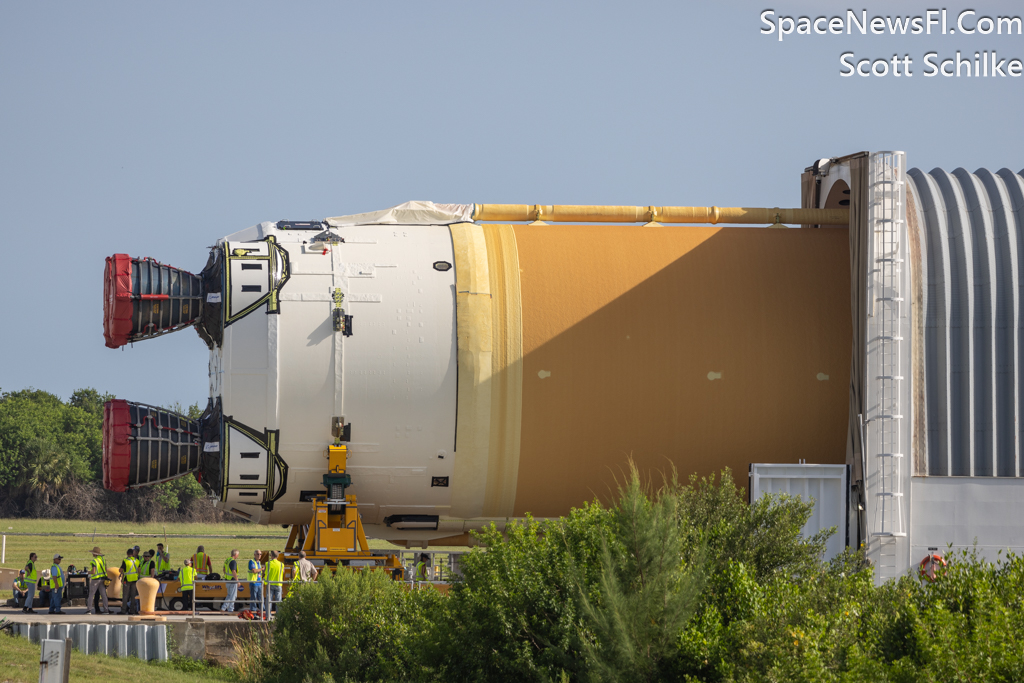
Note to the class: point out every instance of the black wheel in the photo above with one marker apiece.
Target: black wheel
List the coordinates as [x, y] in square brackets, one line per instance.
[177, 604]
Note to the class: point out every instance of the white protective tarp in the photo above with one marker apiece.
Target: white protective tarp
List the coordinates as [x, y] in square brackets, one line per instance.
[409, 213]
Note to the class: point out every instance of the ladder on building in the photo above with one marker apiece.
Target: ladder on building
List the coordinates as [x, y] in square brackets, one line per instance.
[886, 202]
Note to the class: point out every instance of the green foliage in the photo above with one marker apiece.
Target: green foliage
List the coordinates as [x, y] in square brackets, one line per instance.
[200, 668]
[966, 626]
[90, 400]
[760, 610]
[46, 469]
[177, 494]
[515, 615]
[193, 412]
[613, 594]
[784, 628]
[765, 536]
[36, 424]
[647, 592]
[348, 626]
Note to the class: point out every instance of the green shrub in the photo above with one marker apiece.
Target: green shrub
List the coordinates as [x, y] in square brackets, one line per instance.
[685, 584]
[515, 614]
[770, 608]
[354, 625]
[766, 536]
[968, 625]
[647, 591]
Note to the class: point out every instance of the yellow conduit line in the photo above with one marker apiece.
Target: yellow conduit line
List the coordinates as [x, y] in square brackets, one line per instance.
[698, 215]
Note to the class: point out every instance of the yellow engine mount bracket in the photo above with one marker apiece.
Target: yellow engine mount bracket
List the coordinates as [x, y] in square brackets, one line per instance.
[335, 532]
[337, 459]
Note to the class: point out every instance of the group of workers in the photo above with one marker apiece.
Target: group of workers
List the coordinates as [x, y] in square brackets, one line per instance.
[50, 582]
[199, 567]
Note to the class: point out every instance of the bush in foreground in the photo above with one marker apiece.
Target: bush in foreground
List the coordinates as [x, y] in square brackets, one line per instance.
[347, 626]
[687, 583]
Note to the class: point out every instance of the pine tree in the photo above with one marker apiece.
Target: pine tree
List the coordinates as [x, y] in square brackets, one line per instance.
[647, 594]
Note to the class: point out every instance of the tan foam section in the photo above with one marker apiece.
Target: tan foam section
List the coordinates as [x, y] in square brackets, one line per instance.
[489, 337]
[506, 371]
[699, 347]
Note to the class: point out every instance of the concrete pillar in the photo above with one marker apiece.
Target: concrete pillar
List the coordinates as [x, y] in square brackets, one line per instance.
[39, 632]
[120, 648]
[80, 637]
[100, 636]
[156, 646]
[137, 641]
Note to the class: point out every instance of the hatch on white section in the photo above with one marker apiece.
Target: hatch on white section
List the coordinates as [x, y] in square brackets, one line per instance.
[824, 484]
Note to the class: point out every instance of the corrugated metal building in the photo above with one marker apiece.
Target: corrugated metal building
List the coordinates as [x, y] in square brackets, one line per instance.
[937, 373]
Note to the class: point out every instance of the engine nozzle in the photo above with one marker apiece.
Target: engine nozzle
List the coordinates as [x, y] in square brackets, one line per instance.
[144, 445]
[143, 298]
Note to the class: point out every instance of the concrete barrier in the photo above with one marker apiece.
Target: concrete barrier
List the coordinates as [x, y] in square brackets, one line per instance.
[193, 638]
[145, 641]
[213, 640]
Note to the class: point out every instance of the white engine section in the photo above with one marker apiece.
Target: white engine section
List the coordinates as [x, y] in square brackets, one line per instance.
[390, 373]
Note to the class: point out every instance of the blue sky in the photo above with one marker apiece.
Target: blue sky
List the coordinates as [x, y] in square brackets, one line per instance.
[153, 129]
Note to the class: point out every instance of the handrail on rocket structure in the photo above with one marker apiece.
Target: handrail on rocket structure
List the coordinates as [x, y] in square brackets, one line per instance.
[569, 213]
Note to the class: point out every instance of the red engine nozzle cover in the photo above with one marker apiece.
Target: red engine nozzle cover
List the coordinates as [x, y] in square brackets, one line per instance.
[117, 450]
[117, 300]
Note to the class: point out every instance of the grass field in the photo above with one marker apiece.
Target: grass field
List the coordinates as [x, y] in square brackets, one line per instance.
[77, 549]
[19, 663]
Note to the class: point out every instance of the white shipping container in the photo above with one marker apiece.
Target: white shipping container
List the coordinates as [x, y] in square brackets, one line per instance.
[824, 484]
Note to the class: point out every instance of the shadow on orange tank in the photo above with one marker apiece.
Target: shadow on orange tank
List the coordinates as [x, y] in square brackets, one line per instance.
[702, 348]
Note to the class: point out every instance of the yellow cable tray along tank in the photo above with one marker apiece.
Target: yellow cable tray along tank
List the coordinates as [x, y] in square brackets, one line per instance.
[478, 371]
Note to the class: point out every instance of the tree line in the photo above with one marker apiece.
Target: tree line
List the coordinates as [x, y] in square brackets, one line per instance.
[51, 465]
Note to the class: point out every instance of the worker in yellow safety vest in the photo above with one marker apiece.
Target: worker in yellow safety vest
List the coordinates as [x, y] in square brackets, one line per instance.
[20, 589]
[148, 565]
[44, 586]
[56, 585]
[255, 577]
[422, 568]
[231, 577]
[97, 587]
[187, 582]
[32, 578]
[163, 559]
[201, 563]
[130, 576]
[275, 578]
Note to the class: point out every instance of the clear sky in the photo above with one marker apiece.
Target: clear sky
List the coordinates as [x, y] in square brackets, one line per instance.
[154, 128]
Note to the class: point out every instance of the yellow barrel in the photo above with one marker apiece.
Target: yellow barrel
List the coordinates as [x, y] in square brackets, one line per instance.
[699, 348]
